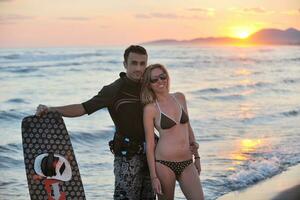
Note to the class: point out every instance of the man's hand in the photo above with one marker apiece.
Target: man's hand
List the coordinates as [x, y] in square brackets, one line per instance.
[198, 165]
[194, 146]
[41, 110]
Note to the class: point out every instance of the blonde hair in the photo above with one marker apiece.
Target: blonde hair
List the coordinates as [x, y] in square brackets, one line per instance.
[147, 94]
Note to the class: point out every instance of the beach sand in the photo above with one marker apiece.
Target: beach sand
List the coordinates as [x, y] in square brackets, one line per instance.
[284, 186]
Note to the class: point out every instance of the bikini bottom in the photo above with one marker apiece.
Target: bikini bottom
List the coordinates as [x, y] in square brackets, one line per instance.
[176, 167]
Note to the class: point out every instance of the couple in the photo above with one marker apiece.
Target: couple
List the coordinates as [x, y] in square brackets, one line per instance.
[136, 108]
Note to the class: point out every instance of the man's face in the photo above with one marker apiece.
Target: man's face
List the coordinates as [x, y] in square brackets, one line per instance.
[135, 66]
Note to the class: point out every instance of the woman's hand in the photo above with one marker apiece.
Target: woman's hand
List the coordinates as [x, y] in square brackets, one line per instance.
[197, 165]
[156, 186]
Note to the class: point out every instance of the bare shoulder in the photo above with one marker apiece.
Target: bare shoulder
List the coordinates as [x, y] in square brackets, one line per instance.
[180, 96]
[150, 109]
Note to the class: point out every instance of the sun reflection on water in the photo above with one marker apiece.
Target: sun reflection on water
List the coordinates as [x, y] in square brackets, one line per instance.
[243, 72]
[250, 144]
[244, 147]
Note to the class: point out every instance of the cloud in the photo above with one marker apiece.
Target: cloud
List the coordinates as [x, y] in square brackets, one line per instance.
[158, 15]
[5, 1]
[291, 12]
[13, 17]
[75, 18]
[165, 15]
[254, 11]
[104, 26]
[6, 23]
[142, 16]
[257, 10]
[170, 16]
[205, 11]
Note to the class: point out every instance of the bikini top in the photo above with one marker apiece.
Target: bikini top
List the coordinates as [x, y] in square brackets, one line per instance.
[167, 122]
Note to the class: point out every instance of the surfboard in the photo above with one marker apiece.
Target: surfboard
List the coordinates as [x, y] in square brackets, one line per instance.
[51, 167]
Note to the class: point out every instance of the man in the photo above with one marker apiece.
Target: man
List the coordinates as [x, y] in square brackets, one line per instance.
[122, 98]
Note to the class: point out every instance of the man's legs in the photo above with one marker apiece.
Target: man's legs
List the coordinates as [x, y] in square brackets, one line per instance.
[128, 182]
[147, 192]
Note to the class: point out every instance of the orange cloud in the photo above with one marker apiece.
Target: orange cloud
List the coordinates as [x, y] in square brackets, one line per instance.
[15, 18]
[292, 12]
[253, 11]
[168, 16]
[257, 10]
[74, 18]
[158, 15]
[5, 1]
[206, 11]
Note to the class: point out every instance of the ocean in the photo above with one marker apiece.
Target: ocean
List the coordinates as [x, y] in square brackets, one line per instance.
[243, 102]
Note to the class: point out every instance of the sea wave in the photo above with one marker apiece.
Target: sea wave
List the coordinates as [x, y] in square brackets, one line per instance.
[11, 56]
[259, 166]
[35, 56]
[255, 171]
[291, 80]
[9, 162]
[10, 155]
[8, 148]
[35, 67]
[291, 113]
[21, 69]
[276, 115]
[17, 101]
[297, 59]
[89, 138]
[230, 97]
[209, 90]
[233, 88]
[12, 115]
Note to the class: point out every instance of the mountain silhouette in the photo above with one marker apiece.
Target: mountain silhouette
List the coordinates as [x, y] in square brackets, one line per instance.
[276, 36]
[270, 36]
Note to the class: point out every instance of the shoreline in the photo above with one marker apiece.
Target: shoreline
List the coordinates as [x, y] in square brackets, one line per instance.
[285, 185]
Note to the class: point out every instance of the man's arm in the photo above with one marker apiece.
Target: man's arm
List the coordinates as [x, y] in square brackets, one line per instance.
[102, 99]
[193, 144]
[74, 110]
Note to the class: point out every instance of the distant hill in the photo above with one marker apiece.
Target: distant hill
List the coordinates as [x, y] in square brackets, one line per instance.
[290, 36]
[276, 36]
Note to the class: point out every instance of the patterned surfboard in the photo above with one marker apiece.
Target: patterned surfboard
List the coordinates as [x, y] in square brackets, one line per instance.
[51, 167]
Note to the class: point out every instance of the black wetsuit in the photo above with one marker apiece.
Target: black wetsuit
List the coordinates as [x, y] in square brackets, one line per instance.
[122, 98]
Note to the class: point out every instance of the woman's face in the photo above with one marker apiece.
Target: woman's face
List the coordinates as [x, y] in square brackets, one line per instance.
[159, 80]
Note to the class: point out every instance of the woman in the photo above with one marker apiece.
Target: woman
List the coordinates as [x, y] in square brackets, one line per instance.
[171, 158]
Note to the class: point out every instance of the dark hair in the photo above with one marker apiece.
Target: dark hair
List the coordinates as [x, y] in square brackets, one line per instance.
[134, 49]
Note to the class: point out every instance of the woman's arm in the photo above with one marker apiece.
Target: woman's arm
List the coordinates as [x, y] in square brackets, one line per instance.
[149, 115]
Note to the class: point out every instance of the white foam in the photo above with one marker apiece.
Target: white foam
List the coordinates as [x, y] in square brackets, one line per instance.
[256, 171]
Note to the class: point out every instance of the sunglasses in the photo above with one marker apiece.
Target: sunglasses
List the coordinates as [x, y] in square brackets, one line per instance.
[162, 77]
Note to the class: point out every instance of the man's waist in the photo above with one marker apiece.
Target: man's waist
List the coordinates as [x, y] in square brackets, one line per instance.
[123, 145]
[135, 138]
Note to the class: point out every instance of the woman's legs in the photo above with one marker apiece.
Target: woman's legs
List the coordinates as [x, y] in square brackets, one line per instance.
[190, 184]
[167, 180]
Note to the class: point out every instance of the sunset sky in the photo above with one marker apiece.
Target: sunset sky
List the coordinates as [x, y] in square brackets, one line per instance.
[42, 23]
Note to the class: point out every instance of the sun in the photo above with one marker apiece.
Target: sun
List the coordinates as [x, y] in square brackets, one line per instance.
[241, 32]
